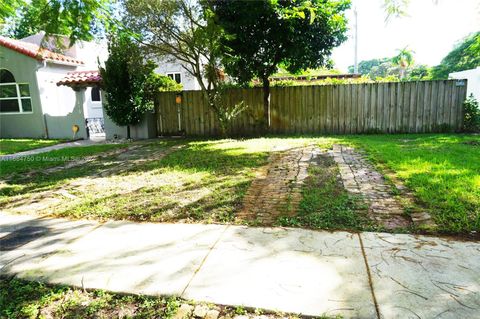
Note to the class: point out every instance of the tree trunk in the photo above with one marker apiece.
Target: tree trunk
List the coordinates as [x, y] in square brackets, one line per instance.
[266, 103]
[223, 128]
[128, 132]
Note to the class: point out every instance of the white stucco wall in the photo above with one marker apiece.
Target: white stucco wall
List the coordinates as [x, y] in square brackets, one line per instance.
[62, 106]
[56, 100]
[171, 65]
[473, 78]
[92, 53]
[92, 108]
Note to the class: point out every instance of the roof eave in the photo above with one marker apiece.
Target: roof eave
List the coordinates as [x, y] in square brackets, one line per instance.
[63, 62]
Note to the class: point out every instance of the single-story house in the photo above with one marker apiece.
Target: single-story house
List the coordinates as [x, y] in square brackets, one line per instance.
[31, 102]
[43, 94]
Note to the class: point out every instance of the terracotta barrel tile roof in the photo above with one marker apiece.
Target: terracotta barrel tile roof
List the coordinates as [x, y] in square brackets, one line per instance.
[80, 78]
[36, 52]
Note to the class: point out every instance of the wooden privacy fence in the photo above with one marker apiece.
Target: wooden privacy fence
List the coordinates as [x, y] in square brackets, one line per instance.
[422, 106]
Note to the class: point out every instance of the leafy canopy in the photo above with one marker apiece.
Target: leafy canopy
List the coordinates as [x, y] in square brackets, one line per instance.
[183, 31]
[78, 19]
[260, 35]
[466, 55]
[401, 66]
[8, 9]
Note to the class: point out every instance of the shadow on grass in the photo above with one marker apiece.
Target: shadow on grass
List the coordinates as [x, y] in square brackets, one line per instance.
[219, 177]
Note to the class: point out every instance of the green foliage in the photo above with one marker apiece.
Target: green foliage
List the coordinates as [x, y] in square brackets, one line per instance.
[33, 299]
[385, 70]
[419, 72]
[326, 81]
[77, 19]
[388, 78]
[128, 81]
[8, 9]
[466, 55]
[404, 60]
[471, 121]
[365, 67]
[160, 83]
[395, 8]
[184, 31]
[318, 71]
[260, 35]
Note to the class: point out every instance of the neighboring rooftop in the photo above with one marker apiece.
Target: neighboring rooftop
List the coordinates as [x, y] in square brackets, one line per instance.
[81, 78]
[37, 52]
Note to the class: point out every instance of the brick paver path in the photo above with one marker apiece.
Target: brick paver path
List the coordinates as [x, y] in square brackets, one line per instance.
[276, 191]
[360, 178]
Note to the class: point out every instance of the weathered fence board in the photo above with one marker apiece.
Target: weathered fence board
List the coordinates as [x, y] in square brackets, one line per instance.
[422, 106]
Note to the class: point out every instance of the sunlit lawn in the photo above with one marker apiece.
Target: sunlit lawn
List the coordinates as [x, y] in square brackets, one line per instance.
[45, 160]
[202, 181]
[205, 181]
[10, 146]
[443, 171]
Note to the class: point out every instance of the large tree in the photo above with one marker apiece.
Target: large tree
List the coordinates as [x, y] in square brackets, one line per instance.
[261, 35]
[183, 31]
[465, 55]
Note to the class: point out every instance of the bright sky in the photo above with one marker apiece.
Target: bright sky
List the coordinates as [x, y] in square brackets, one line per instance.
[431, 30]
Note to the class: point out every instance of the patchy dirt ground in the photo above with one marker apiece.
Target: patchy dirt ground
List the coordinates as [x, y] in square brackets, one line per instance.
[255, 182]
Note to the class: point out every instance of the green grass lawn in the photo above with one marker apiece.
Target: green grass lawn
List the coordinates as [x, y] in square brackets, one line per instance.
[21, 299]
[10, 146]
[201, 181]
[205, 181]
[45, 160]
[442, 170]
[326, 204]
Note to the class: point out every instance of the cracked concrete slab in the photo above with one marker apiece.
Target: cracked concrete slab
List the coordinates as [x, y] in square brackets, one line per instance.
[128, 257]
[424, 277]
[290, 270]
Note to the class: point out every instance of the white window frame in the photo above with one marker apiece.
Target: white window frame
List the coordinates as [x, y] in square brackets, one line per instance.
[19, 98]
[175, 73]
